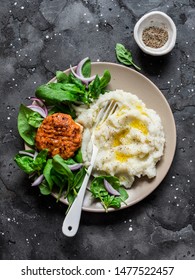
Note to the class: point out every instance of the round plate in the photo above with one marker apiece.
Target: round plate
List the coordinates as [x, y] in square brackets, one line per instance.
[131, 81]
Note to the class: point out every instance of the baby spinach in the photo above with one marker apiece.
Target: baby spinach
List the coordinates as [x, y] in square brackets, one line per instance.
[25, 163]
[28, 122]
[55, 93]
[125, 56]
[29, 164]
[61, 77]
[98, 85]
[86, 69]
[68, 89]
[99, 191]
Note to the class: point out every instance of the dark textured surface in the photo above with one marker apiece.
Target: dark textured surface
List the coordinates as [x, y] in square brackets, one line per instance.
[39, 37]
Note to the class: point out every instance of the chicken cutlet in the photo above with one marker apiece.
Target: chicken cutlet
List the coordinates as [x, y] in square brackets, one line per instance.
[59, 134]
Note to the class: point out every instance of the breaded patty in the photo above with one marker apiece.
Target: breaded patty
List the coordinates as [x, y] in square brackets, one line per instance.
[60, 134]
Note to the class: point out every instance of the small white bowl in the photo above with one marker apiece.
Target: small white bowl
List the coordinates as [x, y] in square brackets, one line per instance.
[160, 20]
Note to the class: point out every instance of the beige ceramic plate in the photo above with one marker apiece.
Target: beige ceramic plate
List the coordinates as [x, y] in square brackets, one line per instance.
[134, 82]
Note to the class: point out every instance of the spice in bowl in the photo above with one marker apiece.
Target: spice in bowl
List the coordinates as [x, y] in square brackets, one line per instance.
[154, 37]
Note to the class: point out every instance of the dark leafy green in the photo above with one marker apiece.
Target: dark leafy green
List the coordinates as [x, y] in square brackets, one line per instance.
[98, 85]
[125, 56]
[28, 122]
[30, 165]
[70, 89]
[61, 77]
[86, 69]
[55, 93]
[99, 191]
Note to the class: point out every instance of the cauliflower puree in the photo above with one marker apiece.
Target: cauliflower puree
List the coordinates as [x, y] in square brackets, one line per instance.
[131, 141]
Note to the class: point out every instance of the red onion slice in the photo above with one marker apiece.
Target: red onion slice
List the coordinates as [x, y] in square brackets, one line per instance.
[38, 181]
[38, 101]
[80, 66]
[26, 154]
[38, 110]
[76, 166]
[35, 155]
[110, 189]
[83, 79]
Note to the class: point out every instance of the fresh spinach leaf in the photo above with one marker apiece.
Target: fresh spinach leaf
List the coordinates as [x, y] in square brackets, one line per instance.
[125, 56]
[78, 156]
[40, 161]
[73, 80]
[26, 130]
[35, 119]
[55, 93]
[99, 191]
[105, 79]
[30, 165]
[86, 69]
[94, 88]
[78, 179]
[62, 168]
[25, 163]
[44, 188]
[61, 77]
[47, 174]
[98, 85]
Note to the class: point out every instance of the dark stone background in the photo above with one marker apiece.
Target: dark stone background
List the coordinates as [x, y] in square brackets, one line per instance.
[39, 37]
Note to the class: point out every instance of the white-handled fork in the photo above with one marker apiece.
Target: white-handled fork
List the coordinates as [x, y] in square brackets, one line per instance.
[72, 219]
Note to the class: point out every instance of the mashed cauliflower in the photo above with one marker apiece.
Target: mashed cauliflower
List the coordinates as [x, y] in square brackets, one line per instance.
[131, 141]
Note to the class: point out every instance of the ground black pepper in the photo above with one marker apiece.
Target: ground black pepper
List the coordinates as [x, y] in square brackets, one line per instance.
[154, 37]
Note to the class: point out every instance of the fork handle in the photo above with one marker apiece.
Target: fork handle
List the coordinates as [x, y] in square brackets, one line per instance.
[72, 219]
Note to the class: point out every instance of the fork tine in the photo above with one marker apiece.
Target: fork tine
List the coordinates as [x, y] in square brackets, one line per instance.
[110, 108]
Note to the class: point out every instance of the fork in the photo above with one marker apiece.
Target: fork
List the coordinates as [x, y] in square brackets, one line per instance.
[71, 222]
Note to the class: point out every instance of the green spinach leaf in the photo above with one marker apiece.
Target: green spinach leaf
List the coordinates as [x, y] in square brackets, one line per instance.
[28, 121]
[105, 79]
[99, 191]
[44, 188]
[86, 69]
[62, 168]
[47, 174]
[125, 56]
[98, 85]
[61, 77]
[25, 163]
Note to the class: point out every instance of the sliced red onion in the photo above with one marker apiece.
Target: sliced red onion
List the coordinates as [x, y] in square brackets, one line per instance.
[38, 110]
[80, 66]
[110, 189]
[35, 155]
[76, 166]
[82, 78]
[38, 101]
[38, 181]
[26, 154]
